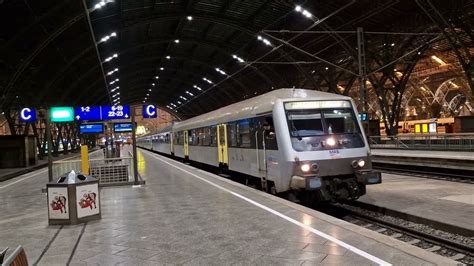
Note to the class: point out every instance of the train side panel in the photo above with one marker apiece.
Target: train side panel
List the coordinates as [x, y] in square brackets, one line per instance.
[204, 154]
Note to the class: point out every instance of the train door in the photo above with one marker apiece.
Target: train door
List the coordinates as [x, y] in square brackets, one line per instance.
[222, 144]
[260, 150]
[186, 144]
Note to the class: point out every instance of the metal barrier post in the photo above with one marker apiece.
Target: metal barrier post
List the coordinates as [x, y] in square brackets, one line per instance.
[85, 159]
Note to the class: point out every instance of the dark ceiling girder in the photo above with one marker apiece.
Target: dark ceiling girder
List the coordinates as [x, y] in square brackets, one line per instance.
[217, 46]
[72, 89]
[61, 74]
[25, 63]
[187, 60]
[160, 83]
[135, 81]
[240, 26]
[36, 22]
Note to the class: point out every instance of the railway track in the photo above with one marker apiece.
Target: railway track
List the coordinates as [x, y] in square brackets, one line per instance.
[457, 247]
[426, 172]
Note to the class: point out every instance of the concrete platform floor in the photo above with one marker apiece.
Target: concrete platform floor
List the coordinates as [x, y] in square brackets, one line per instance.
[186, 216]
[445, 201]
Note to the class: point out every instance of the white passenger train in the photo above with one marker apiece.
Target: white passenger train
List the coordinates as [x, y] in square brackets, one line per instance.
[292, 140]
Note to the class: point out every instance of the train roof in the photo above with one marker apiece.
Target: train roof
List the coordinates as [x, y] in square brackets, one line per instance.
[254, 106]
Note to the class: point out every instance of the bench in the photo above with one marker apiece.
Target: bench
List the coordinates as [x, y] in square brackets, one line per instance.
[16, 258]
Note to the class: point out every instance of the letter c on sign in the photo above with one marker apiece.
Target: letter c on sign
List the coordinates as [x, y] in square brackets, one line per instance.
[25, 114]
[150, 110]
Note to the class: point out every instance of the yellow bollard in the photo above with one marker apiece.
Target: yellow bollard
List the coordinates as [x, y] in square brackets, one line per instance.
[85, 159]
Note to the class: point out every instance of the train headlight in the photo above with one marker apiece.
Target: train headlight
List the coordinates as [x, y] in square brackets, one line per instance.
[331, 141]
[358, 163]
[305, 167]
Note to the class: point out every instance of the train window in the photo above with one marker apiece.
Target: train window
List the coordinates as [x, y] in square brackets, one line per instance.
[193, 139]
[206, 133]
[232, 134]
[305, 123]
[213, 134]
[339, 121]
[269, 134]
[244, 133]
[175, 138]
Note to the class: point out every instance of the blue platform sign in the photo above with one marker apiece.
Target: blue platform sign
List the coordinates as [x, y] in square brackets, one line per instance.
[149, 111]
[363, 117]
[28, 115]
[88, 113]
[115, 112]
[91, 128]
[123, 127]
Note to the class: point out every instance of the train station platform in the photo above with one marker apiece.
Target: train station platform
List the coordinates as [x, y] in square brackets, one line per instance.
[447, 202]
[9, 173]
[429, 158]
[184, 215]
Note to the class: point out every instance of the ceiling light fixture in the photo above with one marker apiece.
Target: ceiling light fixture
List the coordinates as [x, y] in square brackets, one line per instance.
[220, 71]
[265, 41]
[303, 11]
[207, 80]
[238, 58]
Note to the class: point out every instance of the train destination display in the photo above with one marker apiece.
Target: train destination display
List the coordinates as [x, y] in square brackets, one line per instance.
[123, 127]
[91, 128]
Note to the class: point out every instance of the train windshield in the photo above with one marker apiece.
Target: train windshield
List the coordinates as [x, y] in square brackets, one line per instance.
[321, 125]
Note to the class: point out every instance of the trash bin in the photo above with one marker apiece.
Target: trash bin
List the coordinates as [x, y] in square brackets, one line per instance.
[73, 198]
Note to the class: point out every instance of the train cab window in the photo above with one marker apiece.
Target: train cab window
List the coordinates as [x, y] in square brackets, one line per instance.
[339, 121]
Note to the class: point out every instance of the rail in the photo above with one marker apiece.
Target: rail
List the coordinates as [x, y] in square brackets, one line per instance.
[451, 142]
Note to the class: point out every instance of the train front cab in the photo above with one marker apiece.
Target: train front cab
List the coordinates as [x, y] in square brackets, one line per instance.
[326, 152]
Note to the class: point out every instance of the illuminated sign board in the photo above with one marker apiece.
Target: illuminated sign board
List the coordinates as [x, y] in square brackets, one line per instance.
[433, 127]
[363, 117]
[115, 112]
[123, 127]
[61, 114]
[28, 115]
[317, 105]
[91, 128]
[88, 113]
[149, 111]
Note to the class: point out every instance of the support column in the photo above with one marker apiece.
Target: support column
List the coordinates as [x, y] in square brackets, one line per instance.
[362, 76]
[50, 146]
[134, 147]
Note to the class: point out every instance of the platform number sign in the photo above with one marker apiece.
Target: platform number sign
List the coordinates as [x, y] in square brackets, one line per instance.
[115, 112]
[88, 113]
[28, 115]
[149, 111]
